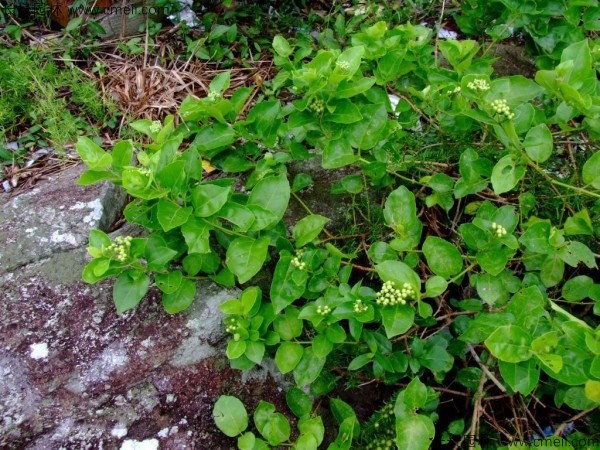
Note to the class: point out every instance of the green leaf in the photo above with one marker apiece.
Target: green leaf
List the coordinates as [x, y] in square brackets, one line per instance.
[309, 368]
[349, 88]
[92, 155]
[514, 89]
[345, 112]
[538, 143]
[230, 415]
[213, 139]
[308, 228]
[181, 299]
[506, 174]
[288, 283]
[522, 377]
[360, 361]
[168, 282]
[208, 199]
[288, 325]
[399, 273]
[443, 258]
[235, 349]
[510, 343]
[171, 215]
[414, 432]
[255, 351]
[591, 171]
[288, 356]
[129, 288]
[298, 401]
[313, 427]
[367, 133]
[157, 253]
[577, 288]
[239, 215]
[492, 260]
[220, 83]
[400, 213]
[245, 256]
[338, 153]
[435, 286]
[196, 233]
[271, 194]
[281, 46]
[579, 223]
[122, 154]
[397, 319]
[415, 394]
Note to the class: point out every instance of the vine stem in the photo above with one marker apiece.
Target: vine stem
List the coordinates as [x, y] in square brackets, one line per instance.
[559, 310]
[539, 170]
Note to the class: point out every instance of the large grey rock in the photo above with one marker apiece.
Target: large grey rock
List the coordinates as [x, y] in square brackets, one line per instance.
[56, 215]
[74, 374]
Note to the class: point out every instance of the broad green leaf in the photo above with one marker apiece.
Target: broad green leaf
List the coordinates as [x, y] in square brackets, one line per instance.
[196, 233]
[281, 46]
[345, 112]
[414, 432]
[308, 228]
[255, 351]
[220, 82]
[514, 89]
[288, 325]
[506, 174]
[553, 269]
[360, 361]
[579, 223]
[399, 273]
[122, 154]
[129, 288]
[390, 66]
[288, 283]
[443, 258]
[230, 415]
[592, 391]
[298, 401]
[538, 143]
[435, 286]
[272, 194]
[400, 213]
[591, 171]
[349, 88]
[577, 288]
[181, 299]
[415, 394]
[157, 253]
[309, 368]
[510, 343]
[522, 377]
[92, 155]
[312, 426]
[208, 199]
[367, 133]
[397, 319]
[338, 153]
[239, 215]
[211, 140]
[493, 260]
[288, 356]
[168, 282]
[170, 215]
[235, 349]
[245, 256]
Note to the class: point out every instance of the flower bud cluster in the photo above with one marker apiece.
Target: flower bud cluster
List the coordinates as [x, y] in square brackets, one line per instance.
[323, 310]
[317, 105]
[385, 430]
[456, 90]
[156, 126]
[391, 296]
[120, 248]
[360, 307]
[213, 96]
[499, 229]
[478, 84]
[232, 325]
[297, 261]
[501, 107]
[343, 65]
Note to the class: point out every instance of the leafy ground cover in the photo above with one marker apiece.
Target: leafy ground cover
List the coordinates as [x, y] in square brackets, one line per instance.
[465, 283]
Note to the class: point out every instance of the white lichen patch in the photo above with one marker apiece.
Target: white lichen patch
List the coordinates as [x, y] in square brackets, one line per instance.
[59, 238]
[119, 431]
[148, 444]
[95, 208]
[39, 351]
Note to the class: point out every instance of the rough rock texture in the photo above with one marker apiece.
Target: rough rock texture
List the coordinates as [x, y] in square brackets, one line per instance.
[55, 216]
[75, 375]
